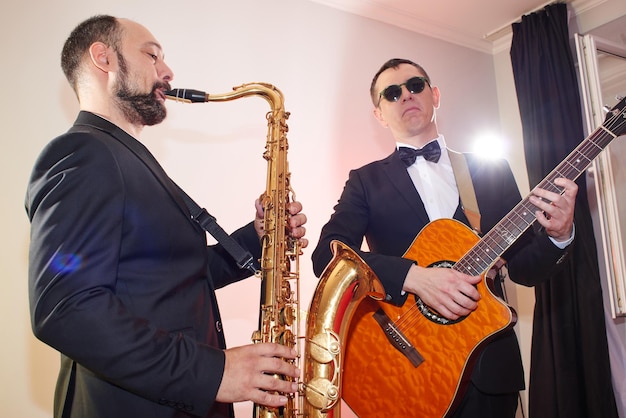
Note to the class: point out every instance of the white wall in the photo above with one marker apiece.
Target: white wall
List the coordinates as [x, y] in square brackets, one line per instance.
[322, 60]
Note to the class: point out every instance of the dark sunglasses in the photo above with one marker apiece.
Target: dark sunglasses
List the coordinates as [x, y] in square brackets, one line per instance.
[393, 92]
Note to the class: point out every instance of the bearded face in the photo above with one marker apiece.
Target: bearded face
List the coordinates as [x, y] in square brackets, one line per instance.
[138, 108]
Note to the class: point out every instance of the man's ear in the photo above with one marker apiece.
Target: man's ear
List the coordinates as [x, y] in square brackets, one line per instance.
[100, 55]
[436, 97]
[379, 116]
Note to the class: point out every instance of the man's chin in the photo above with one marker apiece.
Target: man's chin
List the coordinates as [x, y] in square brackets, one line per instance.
[158, 118]
[154, 121]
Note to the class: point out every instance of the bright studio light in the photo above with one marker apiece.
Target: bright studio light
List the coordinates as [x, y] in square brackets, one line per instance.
[489, 146]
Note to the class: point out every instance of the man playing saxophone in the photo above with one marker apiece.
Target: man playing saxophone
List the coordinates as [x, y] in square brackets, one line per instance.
[121, 280]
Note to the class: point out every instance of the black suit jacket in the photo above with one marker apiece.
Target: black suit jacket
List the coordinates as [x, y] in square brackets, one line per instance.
[380, 203]
[121, 281]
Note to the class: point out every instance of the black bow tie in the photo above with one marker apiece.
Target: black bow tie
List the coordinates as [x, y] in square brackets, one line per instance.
[431, 152]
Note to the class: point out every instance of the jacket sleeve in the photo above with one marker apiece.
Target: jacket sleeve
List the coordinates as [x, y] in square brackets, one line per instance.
[349, 224]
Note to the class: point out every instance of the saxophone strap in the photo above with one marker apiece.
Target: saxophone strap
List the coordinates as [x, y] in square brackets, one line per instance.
[466, 188]
[209, 223]
[200, 215]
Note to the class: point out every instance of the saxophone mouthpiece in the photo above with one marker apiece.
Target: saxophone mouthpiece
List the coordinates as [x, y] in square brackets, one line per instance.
[187, 95]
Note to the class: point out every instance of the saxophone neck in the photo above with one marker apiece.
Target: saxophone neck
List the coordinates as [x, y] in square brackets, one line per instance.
[268, 91]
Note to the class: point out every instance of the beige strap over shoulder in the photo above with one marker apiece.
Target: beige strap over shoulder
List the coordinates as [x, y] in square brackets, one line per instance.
[466, 188]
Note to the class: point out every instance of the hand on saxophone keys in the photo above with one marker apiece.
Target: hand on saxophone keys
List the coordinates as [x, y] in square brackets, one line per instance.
[295, 223]
[249, 374]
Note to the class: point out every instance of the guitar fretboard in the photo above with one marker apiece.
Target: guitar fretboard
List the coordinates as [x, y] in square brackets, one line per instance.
[504, 234]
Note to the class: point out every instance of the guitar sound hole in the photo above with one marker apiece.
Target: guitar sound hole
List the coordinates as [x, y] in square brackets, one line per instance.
[432, 314]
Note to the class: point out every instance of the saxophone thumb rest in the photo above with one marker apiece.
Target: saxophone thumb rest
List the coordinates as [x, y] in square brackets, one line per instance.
[187, 95]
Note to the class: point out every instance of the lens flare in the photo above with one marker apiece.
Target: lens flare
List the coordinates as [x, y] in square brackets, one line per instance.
[489, 146]
[66, 263]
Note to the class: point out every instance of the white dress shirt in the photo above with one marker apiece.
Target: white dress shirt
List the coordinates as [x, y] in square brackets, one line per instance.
[435, 183]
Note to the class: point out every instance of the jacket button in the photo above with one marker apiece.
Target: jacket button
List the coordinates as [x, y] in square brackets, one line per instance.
[218, 326]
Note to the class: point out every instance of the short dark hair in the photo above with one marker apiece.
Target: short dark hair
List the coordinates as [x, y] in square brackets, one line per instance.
[393, 63]
[100, 28]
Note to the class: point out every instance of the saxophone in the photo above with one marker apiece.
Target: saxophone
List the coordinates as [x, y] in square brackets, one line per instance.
[345, 281]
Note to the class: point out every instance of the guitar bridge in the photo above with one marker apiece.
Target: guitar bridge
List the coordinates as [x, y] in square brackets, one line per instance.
[397, 338]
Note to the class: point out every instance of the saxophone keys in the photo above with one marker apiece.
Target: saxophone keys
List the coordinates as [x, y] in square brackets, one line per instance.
[325, 347]
[321, 393]
[288, 315]
[287, 339]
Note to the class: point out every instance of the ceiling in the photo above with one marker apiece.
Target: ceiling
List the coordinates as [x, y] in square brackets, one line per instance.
[469, 24]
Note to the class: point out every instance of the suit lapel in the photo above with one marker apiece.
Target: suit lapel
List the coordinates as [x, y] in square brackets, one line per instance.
[395, 169]
[459, 215]
[137, 148]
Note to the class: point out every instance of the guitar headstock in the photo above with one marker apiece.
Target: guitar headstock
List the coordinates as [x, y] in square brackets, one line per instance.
[615, 120]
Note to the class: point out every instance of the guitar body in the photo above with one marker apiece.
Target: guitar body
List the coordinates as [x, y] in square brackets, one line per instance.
[381, 380]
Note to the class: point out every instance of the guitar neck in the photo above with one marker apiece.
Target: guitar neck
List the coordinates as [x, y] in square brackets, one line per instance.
[504, 234]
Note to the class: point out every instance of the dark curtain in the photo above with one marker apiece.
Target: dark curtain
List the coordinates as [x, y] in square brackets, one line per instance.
[570, 373]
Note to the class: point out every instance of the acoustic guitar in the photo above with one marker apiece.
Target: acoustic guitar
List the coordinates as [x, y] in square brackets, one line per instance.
[409, 361]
